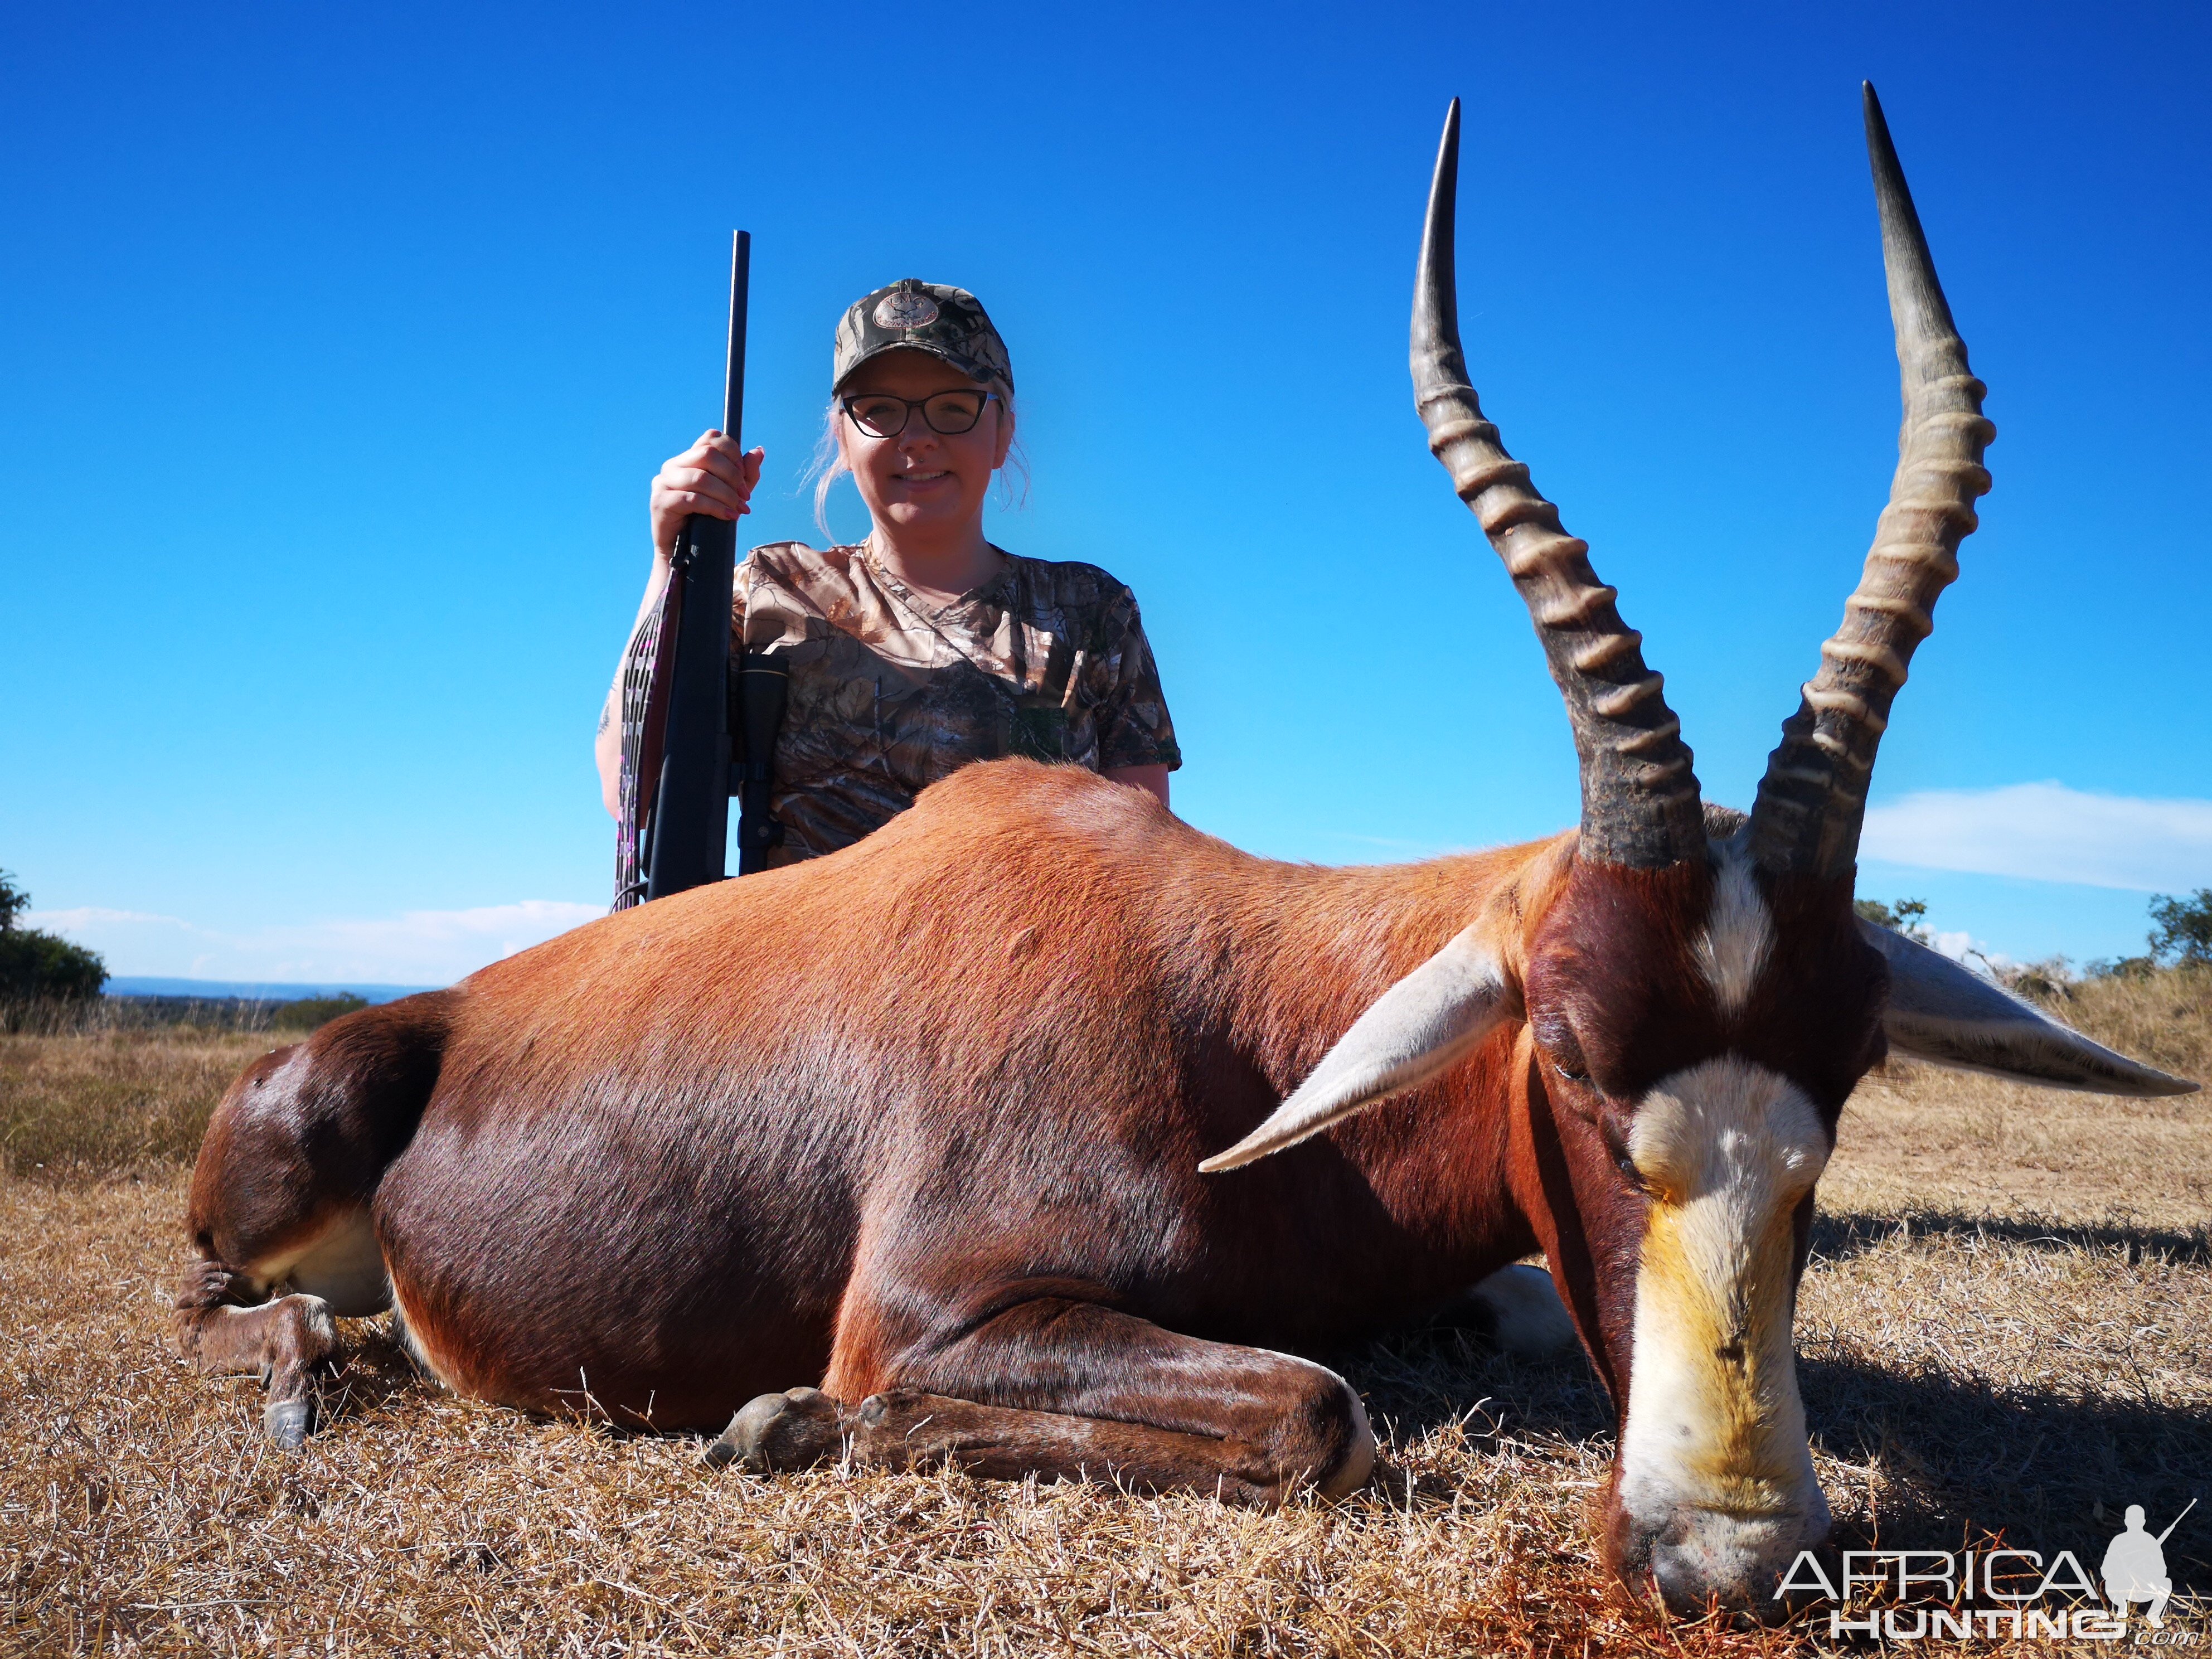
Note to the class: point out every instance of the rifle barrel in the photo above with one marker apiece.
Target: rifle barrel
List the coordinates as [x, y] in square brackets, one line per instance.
[690, 823]
[2168, 1533]
[733, 373]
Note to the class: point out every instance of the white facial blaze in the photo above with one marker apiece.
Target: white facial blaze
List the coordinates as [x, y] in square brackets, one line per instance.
[1738, 933]
[1714, 1465]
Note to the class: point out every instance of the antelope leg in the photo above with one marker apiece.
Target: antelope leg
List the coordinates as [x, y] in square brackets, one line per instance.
[1068, 1389]
[287, 1340]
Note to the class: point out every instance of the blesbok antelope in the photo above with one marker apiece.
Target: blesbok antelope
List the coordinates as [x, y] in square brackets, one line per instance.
[943, 1152]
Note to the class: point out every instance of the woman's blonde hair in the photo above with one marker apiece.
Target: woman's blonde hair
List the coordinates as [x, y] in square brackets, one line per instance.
[828, 464]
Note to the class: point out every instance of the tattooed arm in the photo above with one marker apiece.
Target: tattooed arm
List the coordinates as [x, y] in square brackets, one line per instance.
[606, 748]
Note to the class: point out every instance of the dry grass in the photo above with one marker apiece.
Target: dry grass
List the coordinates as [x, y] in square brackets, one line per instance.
[2007, 1330]
[1917, 1138]
[110, 1103]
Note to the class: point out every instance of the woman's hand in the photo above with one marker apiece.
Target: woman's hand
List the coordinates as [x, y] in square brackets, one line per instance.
[713, 477]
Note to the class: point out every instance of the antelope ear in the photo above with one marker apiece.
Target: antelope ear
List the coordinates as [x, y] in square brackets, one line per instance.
[1944, 1013]
[1417, 1028]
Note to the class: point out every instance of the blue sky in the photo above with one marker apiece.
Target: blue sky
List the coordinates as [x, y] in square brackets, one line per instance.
[339, 345]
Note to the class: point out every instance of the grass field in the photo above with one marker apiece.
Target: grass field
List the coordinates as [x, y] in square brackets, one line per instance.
[2006, 1332]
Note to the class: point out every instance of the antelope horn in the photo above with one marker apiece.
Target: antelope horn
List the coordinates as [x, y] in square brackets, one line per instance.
[1813, 799]
[1640, 805]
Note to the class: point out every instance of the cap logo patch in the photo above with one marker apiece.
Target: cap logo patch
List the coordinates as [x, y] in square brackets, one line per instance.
[905, 308]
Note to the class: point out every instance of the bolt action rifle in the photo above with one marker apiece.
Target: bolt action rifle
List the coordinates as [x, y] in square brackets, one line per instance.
[693, 733]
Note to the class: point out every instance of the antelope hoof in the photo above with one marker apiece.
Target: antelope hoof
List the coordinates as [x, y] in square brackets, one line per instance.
[773, 1431]
[288, 1423]
[1525, 1317]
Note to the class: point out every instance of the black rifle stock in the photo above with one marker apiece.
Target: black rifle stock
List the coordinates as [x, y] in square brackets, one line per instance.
[688, 832]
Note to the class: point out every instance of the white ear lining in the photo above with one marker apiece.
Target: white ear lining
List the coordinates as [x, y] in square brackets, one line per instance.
[1417, 1029]
[1943, 1013]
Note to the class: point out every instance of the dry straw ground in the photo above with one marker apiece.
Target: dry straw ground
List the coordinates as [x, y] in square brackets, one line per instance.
[2007, 1330]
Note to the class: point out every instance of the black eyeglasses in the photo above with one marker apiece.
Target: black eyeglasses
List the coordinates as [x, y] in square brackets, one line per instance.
[949, 413]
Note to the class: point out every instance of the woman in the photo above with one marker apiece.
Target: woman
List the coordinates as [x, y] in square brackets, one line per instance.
[924, 646]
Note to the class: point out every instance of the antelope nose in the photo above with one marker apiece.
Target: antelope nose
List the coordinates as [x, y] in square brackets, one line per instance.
[1698, 1555]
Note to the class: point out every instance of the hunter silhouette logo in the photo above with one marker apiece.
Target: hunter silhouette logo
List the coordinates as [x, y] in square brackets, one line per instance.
[1997, 1593]
[2135, 1566]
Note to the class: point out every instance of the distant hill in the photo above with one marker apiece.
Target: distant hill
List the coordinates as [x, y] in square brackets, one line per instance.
[212, 990]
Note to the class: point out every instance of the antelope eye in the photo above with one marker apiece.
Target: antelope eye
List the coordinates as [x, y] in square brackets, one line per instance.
[1561, 1050]
[1616, 1147]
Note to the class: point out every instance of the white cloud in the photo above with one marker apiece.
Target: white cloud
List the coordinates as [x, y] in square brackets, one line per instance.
[418, 947]
[2047, 832]
[1954, 946]
[90, 915]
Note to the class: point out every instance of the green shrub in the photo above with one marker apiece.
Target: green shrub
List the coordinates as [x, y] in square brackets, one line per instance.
[41, 967]
[1906, 916]
[2122, 968]
[2183, 936]
[308, 1013]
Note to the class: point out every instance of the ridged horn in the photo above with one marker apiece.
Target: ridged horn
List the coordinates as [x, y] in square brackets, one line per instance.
[1640, 806]
[1813, 800]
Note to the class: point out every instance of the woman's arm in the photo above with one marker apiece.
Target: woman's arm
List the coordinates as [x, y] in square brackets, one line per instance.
[1133, 727]
[1154, 778]
[606, 748]
[715, 478]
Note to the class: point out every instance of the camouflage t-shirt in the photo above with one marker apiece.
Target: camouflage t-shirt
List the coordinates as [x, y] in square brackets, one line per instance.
[889, 692]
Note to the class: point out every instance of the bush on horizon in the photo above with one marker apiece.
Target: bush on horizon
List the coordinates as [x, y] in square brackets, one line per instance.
[1906, 916]
[310, 1013]
[2183, 936]
[36, 965]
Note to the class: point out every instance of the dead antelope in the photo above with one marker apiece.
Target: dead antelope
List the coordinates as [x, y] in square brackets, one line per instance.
[943, 1151]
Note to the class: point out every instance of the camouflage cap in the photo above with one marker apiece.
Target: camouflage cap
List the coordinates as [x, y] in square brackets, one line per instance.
[948, 322]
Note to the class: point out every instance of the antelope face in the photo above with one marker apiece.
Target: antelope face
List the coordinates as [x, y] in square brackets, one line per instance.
[1699, 998]
[1697, 1017]
[1691, 1050]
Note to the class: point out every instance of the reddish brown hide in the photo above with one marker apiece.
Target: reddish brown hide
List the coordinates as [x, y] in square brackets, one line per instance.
[943, 1160]
[953, 1147]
